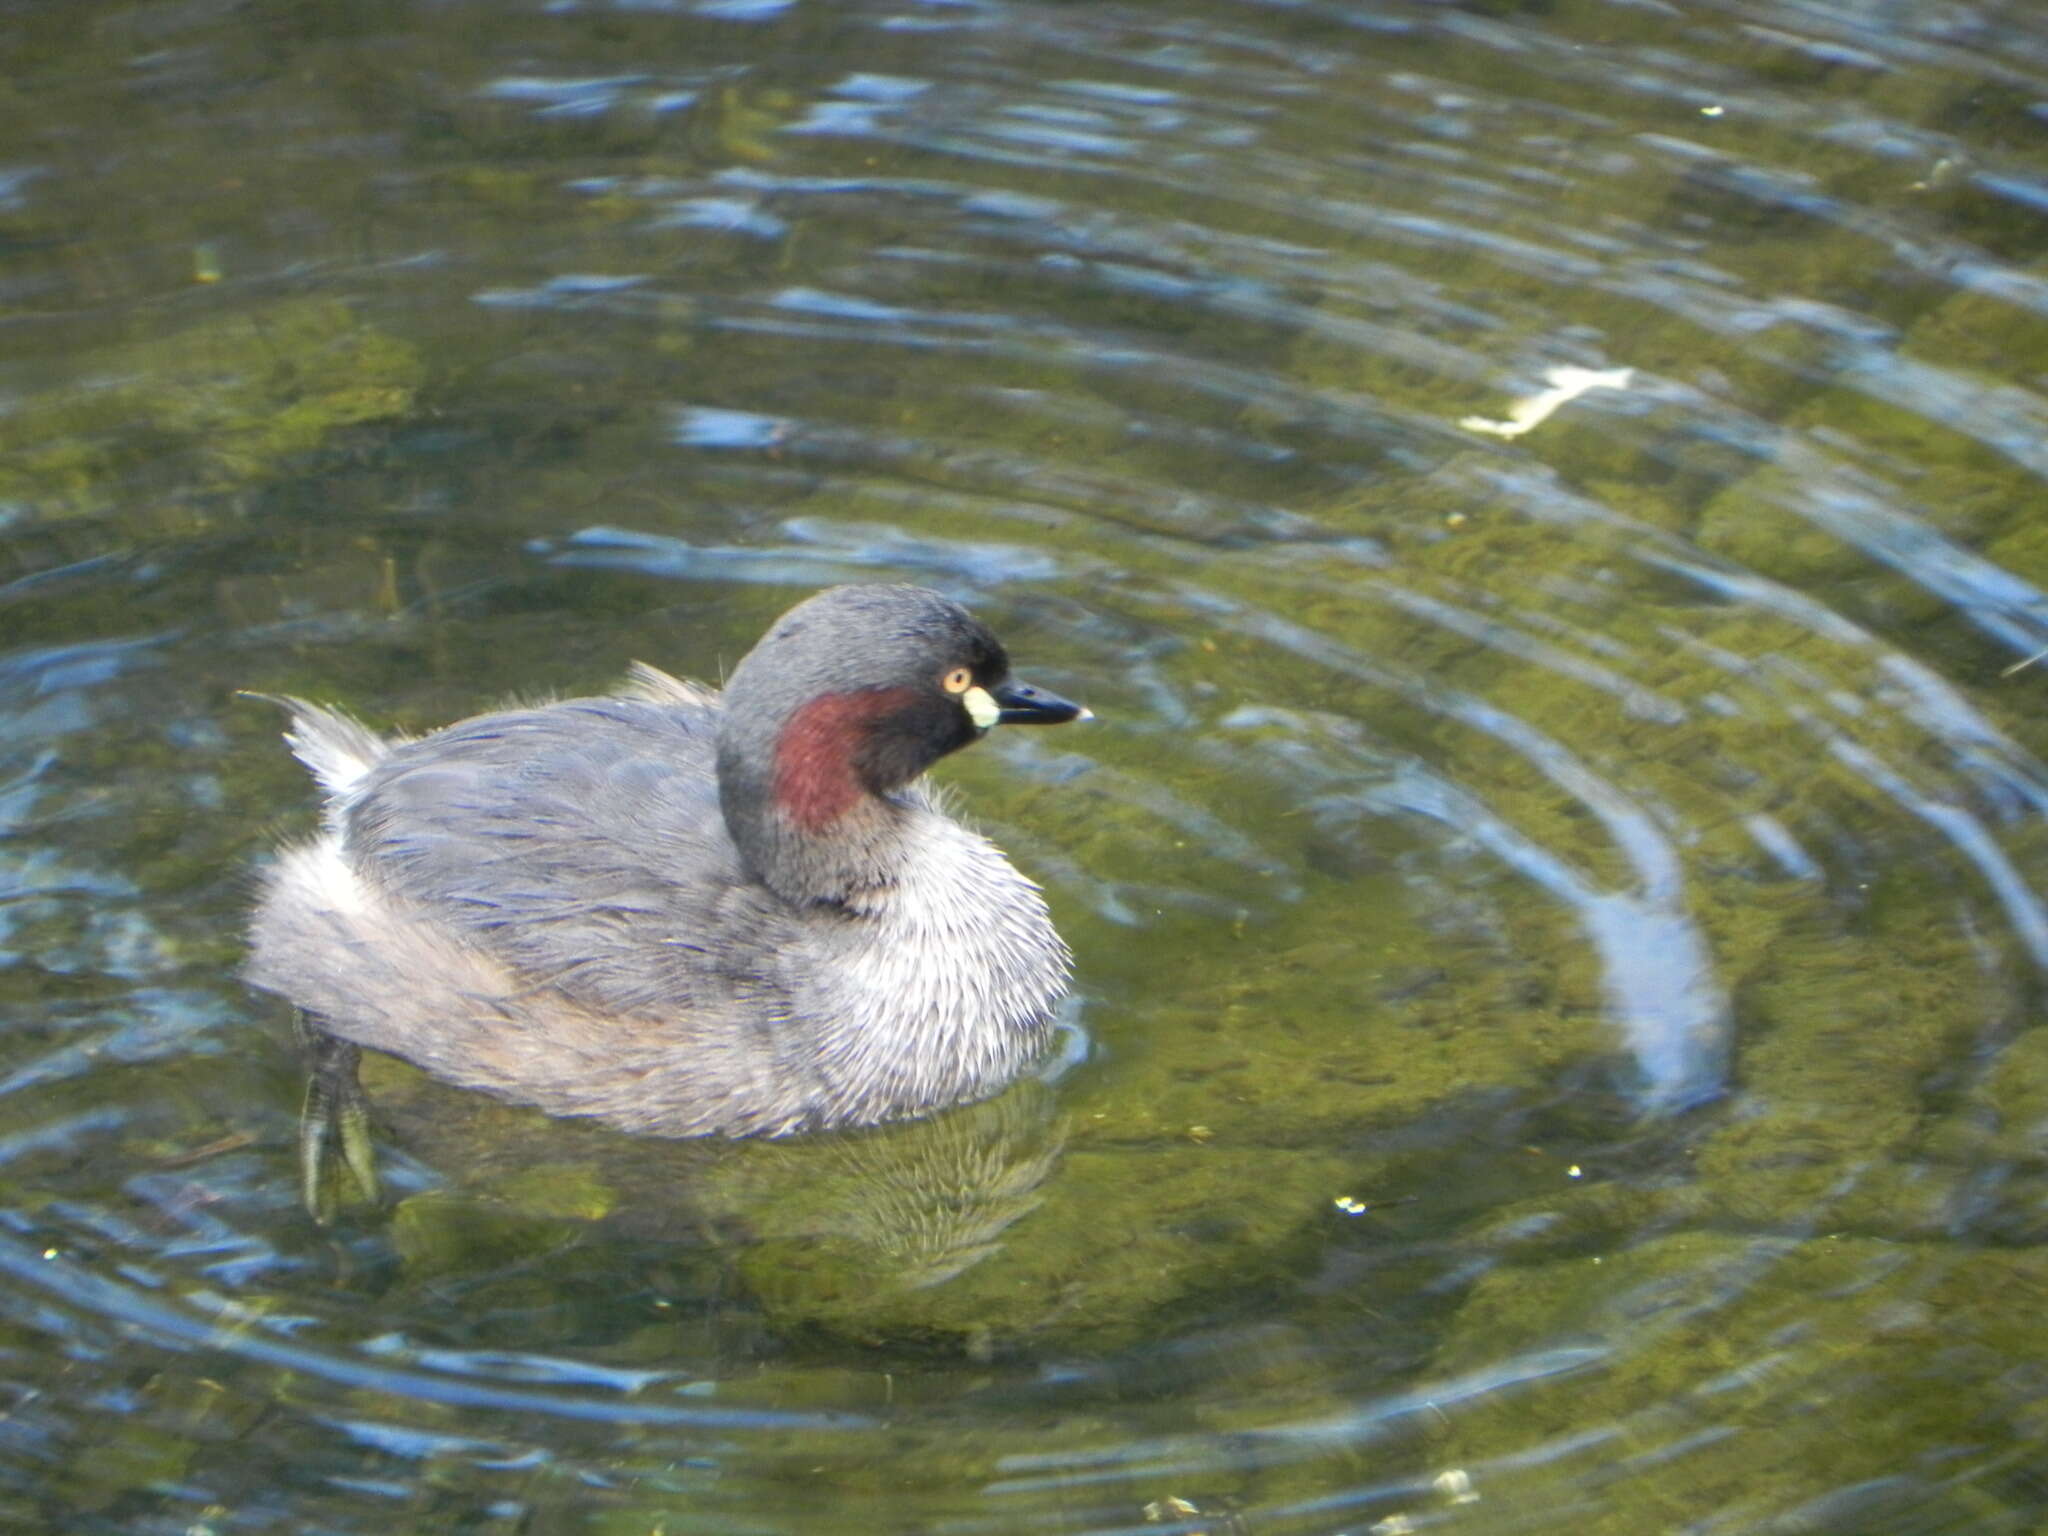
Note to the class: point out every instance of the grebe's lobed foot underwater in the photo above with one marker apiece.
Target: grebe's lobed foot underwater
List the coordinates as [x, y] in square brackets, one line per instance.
[677, 911]
[335, 1117]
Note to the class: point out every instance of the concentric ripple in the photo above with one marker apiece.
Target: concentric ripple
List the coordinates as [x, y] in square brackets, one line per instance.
[1544, 501]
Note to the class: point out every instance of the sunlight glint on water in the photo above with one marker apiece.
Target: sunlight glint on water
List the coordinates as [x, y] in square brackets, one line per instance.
[1556, 877]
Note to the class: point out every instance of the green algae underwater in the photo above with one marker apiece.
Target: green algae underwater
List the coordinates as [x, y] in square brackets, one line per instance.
[1383, 1190]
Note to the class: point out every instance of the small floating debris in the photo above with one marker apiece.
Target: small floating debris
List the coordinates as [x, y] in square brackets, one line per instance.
[1566, 385]
[1351, 1205]
[1456, 1485]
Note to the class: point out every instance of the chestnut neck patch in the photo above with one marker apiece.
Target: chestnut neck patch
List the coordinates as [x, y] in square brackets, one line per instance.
[817, 776]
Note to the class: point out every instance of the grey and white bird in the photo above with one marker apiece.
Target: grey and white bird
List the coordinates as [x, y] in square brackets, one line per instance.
[674, 910]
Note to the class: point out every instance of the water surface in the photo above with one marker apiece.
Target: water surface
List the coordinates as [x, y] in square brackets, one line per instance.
[1545, 502]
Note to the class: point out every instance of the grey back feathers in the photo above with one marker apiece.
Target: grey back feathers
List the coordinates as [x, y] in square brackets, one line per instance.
[552, 904]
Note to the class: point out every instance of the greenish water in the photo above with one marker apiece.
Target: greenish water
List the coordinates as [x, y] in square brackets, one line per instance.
[1557, 1042]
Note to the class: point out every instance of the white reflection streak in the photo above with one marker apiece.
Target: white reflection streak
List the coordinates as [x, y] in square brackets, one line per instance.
[1655, 967]
[1933, 704]
[1643, 703]
[243, 1334]
[1281, 1443]
[1970, 839]
[1566, 385]
[1928, 700]
[1771, 835]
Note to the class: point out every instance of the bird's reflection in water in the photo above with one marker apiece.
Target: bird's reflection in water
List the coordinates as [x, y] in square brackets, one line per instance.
[923, 1201]
[853, 1233]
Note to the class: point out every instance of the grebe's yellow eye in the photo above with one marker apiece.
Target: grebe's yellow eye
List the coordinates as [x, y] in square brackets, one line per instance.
[959, 680]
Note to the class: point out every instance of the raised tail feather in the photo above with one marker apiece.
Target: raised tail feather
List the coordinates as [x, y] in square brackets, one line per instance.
[658, 687]
[337, 749]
